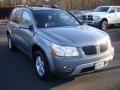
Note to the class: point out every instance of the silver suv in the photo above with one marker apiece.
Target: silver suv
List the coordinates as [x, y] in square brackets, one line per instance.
[57, 42]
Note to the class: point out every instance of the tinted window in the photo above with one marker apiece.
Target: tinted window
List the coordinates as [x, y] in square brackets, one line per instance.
[26, 18]
[118, 9]
[17, 16]
[54, 18]
[101, 9]
[112, 10]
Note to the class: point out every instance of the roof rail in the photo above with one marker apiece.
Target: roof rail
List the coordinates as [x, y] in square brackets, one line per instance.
[55, 6]
[49, 6]
[43, 5]
[23, 5]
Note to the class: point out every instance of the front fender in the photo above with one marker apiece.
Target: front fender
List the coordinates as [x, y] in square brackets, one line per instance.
[45, 45]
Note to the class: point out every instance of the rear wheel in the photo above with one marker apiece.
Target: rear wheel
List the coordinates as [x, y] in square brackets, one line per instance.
[11, 46]
[41, 66]
[104, 25]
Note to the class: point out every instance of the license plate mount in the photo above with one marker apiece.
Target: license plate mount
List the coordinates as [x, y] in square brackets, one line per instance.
[99, 65]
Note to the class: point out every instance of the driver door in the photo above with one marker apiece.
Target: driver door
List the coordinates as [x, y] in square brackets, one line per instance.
[26, 34]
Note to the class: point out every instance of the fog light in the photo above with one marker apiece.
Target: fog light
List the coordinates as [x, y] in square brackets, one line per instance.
[67, 68]
[106, 63]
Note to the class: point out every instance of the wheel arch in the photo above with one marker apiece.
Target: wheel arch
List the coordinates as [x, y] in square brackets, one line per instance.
[104, 19]
[8, 32]
[35, 48]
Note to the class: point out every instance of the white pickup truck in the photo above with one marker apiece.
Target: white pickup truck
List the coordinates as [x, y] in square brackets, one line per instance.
[103, 16]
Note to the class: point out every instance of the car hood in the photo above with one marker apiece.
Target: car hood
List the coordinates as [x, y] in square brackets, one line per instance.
[96, 13]
[73, 36]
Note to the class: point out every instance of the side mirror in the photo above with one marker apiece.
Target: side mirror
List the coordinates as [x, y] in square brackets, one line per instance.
[25, 25]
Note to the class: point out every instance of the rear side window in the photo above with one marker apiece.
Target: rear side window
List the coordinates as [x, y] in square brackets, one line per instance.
[17, 17]
[101, 9]
[118, 9]
[112, 10]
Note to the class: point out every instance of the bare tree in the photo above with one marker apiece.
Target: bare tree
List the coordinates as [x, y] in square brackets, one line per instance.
[69, 4]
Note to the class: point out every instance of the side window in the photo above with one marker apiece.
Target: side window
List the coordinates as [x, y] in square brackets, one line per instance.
[112, 10]
[17, 16]
[26, 18]
[118, 9]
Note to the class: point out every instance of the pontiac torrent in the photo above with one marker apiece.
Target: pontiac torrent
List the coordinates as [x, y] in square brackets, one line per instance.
[57, 42]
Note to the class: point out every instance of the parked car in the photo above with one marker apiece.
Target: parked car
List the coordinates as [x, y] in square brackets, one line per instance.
[78, 13]
[103, 16]
[57, 42]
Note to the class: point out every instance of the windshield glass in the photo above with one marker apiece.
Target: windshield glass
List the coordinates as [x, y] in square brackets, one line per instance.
[101, 9]
[54, 18]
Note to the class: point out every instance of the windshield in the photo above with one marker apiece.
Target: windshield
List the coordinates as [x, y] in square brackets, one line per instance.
[54, 18]
[101, 9]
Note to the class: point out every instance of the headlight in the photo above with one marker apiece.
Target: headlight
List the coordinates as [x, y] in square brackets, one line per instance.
[105, 40]
[97, 18]
[64, 50]
[109, 42]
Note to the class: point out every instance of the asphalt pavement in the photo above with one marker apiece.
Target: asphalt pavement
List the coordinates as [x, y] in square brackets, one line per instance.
[17, 72]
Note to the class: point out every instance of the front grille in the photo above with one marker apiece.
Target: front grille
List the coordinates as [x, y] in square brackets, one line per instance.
[93, 50]
[90, 50]
[103, 47]
[89, 17]
[84, 17]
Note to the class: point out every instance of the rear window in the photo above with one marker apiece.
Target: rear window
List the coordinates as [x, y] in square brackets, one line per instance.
[118, 9]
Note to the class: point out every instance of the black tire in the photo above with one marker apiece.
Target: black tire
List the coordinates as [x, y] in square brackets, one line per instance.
[11, 45]
[104, 25]
[47, 74]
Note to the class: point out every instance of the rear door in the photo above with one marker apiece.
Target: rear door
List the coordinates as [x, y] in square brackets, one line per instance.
[13, 25]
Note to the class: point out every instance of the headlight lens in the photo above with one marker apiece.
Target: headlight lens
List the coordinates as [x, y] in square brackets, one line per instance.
[96, 18]
[103, 41]
[64, 50]
[109, 42]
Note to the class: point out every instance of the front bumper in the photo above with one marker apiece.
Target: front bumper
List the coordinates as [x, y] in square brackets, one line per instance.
[92, 23]
[75, 65]
[92, 65]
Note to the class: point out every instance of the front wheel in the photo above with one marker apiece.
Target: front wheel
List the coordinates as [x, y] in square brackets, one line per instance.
[104, 25]
[41, 66]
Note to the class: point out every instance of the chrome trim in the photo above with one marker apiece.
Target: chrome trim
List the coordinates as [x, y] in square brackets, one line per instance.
[80, 67]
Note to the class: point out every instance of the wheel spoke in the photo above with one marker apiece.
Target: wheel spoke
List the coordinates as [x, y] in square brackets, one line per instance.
[40, 66]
